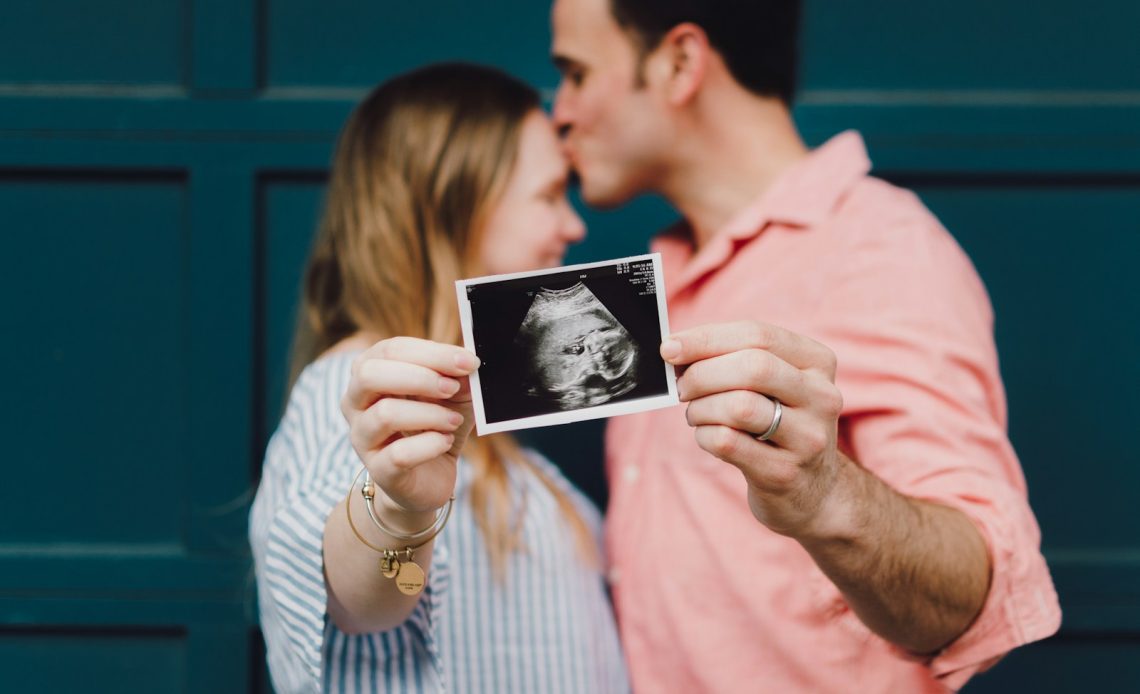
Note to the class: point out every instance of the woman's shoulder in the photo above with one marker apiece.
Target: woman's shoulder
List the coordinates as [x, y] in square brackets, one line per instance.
[326, 376]
[314, 400]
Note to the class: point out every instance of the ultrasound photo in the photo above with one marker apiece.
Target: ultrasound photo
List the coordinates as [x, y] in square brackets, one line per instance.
[568, 344]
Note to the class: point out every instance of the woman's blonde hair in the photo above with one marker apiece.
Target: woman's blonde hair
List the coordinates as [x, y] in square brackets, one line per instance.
[418, 166]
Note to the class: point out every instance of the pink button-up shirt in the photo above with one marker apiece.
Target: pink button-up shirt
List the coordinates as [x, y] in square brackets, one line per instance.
[710, 600]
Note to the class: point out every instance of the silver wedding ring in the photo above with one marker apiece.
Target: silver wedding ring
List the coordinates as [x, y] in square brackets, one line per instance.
[775, 422]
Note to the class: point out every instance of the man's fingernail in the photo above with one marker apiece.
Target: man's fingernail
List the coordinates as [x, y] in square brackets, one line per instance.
[670, 349]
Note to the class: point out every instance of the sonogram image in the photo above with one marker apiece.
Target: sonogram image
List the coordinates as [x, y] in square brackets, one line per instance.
[567, 344]
[576, 353]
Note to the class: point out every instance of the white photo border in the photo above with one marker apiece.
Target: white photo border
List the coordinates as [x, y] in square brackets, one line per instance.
[653, 402]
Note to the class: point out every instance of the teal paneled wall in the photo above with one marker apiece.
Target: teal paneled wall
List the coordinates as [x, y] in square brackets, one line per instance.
[161, 170]
[113, 42]
[896, 45]
[84, 297]
[123, 662]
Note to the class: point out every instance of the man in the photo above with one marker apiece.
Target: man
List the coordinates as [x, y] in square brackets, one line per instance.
[880, 539]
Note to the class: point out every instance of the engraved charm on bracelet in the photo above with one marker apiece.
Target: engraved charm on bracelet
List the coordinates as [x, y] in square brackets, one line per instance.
[409, 576]
[389, 565]
[410, 579]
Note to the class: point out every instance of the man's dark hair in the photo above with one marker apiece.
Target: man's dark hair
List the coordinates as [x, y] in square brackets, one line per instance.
[758, 39]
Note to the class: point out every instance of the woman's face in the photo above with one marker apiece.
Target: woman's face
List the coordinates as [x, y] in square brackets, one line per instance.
[532, 223]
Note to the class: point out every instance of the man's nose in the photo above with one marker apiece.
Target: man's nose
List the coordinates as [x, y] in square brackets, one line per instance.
[561, 113]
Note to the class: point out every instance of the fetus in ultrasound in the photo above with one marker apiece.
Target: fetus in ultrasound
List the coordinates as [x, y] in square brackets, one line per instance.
[576, 352]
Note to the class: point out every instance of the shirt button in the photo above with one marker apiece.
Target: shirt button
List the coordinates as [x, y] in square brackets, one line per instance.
[631, 473]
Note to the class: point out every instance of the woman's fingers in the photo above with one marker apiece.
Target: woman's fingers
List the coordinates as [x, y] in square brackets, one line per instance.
[408, 452]
[373, 379]
[448, 360]
[409, 367]
[389, 416]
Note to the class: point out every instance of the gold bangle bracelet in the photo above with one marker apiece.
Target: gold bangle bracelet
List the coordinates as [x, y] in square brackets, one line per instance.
[368, 491]
[435, 528]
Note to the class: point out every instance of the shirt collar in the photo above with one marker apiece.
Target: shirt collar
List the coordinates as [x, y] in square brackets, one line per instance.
[809, 190]
[802, 196]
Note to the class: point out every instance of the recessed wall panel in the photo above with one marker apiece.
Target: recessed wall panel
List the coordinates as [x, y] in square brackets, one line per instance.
[45, 660]
[94, 402]
[970, 45]
[343, 43]
[113, 42]
[291, 208]
[1085, 663]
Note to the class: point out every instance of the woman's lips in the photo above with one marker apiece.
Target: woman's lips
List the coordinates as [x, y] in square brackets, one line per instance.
[571, 155]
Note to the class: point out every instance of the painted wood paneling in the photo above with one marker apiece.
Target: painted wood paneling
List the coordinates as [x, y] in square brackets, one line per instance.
[161, 171]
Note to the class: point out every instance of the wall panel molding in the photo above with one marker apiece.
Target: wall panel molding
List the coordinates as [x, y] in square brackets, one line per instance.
[162, 167]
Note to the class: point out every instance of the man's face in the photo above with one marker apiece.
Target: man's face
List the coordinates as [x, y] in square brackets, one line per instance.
[613, 129]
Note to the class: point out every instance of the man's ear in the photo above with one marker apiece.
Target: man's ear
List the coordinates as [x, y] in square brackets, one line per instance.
[682, 61]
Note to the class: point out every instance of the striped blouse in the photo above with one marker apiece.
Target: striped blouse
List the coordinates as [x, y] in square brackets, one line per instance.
[547, 628]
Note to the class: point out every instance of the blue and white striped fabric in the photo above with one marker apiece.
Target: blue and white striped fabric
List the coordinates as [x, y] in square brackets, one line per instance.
[547, 628]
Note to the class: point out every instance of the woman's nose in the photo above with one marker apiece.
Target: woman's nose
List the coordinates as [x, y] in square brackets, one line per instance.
[573, 228]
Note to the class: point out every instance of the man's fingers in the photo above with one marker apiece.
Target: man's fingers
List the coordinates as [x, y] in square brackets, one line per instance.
[745, 410]
[715, 339]
[749, 369]
[448, 360]
[375, 378]
[765, 467]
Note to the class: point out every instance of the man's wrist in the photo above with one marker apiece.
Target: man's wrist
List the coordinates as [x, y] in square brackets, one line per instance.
[839, 516]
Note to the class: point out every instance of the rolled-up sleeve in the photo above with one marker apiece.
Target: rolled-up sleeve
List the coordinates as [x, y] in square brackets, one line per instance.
[286, 534]
[925, 411]
[308, 467]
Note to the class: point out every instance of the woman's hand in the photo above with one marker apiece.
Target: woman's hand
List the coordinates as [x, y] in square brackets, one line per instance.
[409, 412]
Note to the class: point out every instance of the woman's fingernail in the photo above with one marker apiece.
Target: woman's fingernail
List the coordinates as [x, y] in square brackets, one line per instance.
[670, 349]
[466, 361]
[448, 387]
[455, 418]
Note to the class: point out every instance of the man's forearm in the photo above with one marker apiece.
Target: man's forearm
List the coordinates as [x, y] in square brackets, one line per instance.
[764, 399]
[915, 572]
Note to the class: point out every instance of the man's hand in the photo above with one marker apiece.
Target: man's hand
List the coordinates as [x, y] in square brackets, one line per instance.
[735, 373]
[875, 544]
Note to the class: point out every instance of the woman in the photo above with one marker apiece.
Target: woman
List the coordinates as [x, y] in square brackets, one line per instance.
[445, 172]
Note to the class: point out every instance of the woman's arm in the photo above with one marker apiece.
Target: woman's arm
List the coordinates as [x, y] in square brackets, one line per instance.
[408, 406]
[360, 598]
